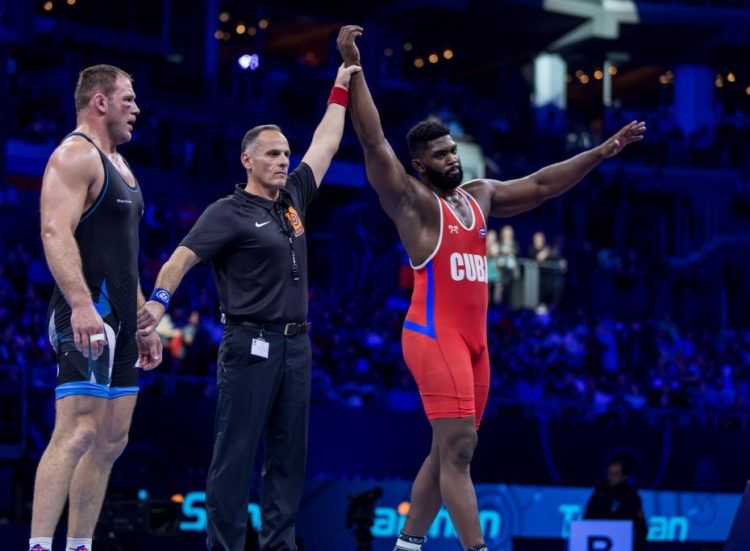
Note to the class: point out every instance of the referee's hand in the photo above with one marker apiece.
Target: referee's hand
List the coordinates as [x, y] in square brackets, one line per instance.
[149, 317]
[344, 75]
[150, 350]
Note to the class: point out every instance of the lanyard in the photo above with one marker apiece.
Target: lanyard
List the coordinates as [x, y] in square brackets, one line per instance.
[283, 222]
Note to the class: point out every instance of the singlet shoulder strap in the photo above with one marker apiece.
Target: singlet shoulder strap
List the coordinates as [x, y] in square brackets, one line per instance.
[82, 135]
[474, 204]
[440, 236]
[104, 158]
[88, 139]
[105, 185]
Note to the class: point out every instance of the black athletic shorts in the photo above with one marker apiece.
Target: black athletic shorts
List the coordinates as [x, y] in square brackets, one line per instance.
[112, 375]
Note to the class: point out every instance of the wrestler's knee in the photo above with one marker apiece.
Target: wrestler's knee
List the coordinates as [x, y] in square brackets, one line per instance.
[77, 440]
[458, 448]
[110, 445]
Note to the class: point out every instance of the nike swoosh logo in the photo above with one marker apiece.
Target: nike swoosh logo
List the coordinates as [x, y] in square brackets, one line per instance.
[262, 224]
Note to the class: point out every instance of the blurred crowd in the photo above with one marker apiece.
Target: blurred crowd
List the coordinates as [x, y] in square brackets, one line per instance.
[565, 363]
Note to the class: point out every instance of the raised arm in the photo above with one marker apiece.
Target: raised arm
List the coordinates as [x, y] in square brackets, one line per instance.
[516, 196]
[384, 171]
[327, 136]
[71, 172]
[167, 281]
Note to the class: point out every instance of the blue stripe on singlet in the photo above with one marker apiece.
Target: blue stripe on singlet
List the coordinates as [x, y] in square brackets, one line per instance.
[85, 388]
[102, 305]
[79, 388]
[98, 199]
[121, 391]
[429, 328]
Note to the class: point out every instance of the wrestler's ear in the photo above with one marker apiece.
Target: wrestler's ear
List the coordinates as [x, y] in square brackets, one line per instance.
[418, 166]
[99, 101]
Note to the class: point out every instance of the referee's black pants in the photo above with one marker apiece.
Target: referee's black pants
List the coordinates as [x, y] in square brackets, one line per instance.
[258, 397]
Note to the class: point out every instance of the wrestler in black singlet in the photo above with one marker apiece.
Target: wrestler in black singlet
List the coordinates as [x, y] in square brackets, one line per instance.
[107, 237]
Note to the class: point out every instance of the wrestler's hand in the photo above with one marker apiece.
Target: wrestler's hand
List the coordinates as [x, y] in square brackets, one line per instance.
[149, 350]
[88, 330]
[346, 45]
[628, 134]
[345, 75]
[149, 317]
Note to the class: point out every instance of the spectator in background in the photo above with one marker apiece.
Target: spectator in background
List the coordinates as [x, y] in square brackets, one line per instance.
[493, 270]
[617, 499]
[539, 250]
[552, 267]
[557, 275]
[507, 262]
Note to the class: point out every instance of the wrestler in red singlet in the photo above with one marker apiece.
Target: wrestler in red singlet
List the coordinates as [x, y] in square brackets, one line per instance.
[445, 332]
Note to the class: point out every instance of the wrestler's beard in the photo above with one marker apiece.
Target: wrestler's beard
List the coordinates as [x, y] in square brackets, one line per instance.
[442, 180]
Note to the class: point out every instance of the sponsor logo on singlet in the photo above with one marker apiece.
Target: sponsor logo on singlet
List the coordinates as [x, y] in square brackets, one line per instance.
[469, 267]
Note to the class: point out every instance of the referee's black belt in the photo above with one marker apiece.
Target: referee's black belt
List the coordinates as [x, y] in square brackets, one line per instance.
[287, 329]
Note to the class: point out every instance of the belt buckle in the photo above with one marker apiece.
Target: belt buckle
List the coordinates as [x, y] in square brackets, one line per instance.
[295, 328]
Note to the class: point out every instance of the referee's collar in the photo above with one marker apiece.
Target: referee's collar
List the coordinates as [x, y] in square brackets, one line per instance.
[252, 199]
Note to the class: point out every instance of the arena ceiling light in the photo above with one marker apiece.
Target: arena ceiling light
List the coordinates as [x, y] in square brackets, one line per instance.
[249, 61]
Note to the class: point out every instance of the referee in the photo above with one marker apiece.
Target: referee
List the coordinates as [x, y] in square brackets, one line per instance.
[255, 242]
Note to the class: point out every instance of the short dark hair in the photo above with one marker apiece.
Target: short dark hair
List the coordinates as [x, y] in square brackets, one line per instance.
[97, 78]
[422, 133]
[252, 134]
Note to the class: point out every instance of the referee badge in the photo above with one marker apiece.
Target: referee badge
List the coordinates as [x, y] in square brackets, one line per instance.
[295, 221]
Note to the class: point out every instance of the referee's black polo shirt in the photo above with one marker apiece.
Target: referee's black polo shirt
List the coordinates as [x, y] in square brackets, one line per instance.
[244, 238]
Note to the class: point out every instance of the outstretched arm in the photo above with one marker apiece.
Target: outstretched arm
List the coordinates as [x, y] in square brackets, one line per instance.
[169, 279]
[327, 137]
[384, 171]
[516, 196]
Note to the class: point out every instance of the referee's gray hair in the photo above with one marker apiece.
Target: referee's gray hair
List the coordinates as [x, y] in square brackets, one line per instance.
[252, 134]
